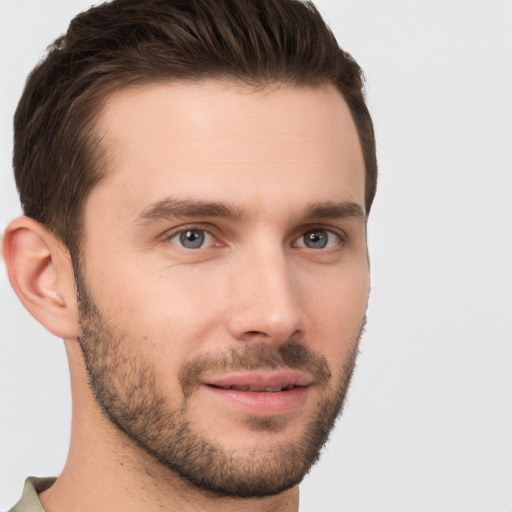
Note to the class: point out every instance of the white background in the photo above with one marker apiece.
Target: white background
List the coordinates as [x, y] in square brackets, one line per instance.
[428, 424]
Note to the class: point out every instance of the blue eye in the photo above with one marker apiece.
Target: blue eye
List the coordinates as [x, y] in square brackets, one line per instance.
[318, 239]
[192, 238]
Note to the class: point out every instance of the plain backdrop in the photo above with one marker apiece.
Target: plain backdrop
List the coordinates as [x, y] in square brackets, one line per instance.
[428, 423]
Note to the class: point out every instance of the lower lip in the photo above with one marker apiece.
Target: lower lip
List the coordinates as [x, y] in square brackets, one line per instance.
[259, 403]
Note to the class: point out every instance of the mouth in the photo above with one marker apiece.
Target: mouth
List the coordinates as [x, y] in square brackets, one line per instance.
[258, 389]
[259, 393]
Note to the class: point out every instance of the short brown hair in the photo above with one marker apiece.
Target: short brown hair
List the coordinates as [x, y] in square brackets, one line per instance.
[58, 157]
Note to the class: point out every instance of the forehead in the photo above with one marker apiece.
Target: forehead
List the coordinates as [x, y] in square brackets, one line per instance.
[231, 143]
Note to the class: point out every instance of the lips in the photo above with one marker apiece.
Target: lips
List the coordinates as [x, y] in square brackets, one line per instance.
[268, 389]
[259, 393]
[260, 381]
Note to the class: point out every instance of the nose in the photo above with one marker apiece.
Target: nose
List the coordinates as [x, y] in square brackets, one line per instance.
[265, 300]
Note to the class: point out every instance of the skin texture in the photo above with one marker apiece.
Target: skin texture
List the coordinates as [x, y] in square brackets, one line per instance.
[160, 322]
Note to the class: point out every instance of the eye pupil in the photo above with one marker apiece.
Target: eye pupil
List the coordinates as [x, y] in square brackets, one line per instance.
[192, 239]
[316, 239]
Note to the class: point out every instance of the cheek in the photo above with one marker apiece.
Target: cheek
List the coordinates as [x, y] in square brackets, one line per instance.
[336, 308]
[170, 312]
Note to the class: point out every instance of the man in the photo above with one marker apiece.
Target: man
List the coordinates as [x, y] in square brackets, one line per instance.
[196, 179]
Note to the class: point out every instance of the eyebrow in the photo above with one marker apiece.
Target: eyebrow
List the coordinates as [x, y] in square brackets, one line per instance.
[334, 210]
[183, 208]
[195, 208]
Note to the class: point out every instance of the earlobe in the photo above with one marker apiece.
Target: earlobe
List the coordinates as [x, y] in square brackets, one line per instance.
[40, 272]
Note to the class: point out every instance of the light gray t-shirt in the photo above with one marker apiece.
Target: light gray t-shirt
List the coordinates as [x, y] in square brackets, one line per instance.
[29, 501]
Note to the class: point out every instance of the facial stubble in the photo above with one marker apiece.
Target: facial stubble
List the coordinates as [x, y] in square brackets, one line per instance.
[125, 386]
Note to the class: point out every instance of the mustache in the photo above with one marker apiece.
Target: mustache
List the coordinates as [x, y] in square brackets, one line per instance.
[255, 356]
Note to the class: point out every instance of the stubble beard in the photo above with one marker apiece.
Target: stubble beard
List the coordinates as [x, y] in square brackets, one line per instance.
[125, 387]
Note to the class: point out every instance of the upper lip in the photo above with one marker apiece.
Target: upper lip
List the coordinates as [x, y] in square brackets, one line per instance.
[260, 380]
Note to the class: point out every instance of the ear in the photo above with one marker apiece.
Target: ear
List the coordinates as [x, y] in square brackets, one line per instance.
[40, 271]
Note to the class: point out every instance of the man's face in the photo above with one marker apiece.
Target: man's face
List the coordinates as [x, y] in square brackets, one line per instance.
[225, 277]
